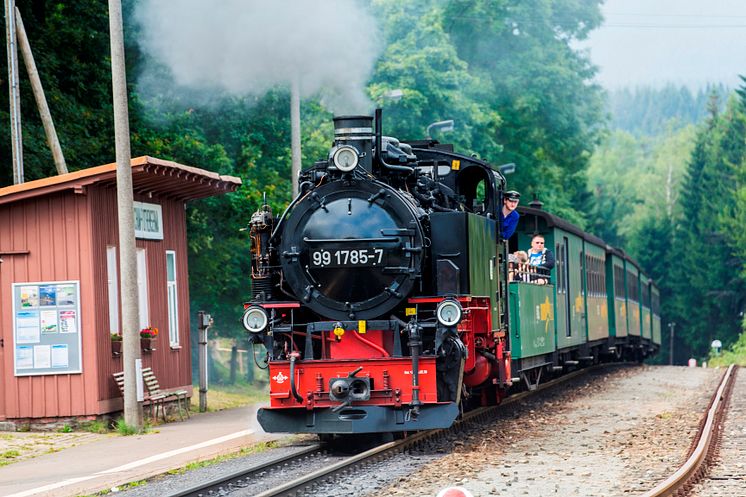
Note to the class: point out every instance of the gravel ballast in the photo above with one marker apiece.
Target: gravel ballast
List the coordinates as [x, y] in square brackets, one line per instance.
[615, 434]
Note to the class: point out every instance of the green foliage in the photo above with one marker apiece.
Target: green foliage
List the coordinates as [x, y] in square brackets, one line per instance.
[672, 198]
[540, 86]
[95, 426]
[646, 111]
[421, 60]
[633, 179]
[70, 41]
[10, 454]
[735, 354]
[708, 284]
[66, 429]
[124, 429]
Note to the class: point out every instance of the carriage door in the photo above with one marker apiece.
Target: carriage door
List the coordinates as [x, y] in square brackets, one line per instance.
[564, 283]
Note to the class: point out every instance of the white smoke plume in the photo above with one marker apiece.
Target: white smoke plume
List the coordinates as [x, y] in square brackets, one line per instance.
[246, 47]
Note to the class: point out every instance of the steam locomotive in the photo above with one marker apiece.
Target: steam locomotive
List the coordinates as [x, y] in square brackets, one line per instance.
[382, 292]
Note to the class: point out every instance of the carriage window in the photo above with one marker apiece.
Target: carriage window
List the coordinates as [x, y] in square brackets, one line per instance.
[632, 285]
[618, 281]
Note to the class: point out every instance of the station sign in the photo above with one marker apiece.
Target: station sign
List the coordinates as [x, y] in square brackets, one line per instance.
[148, 221]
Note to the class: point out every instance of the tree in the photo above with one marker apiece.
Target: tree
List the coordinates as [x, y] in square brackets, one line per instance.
[708, 287]
[541, 86]
[68, 40]
[420, 60]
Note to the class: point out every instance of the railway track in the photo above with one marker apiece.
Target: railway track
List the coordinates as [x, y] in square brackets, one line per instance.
[317, 467]
[242, 480]
[727, 475]
[700, 468]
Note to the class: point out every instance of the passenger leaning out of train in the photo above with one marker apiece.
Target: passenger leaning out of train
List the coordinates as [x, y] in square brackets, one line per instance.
[541, 260]
[509, 214]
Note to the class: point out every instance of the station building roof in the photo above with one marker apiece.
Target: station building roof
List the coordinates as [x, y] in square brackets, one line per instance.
[149, 176]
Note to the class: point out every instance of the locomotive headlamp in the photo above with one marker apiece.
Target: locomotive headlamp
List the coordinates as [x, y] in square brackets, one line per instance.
[255, 319]
[449, 312]
[345, 158]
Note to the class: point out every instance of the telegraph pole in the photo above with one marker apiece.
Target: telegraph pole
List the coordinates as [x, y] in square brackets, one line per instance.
[41, 100]
[16, 136]
[126, 214]
[295, 132]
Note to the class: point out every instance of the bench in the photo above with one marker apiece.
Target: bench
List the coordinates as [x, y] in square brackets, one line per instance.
[155, 398]
[154, 391]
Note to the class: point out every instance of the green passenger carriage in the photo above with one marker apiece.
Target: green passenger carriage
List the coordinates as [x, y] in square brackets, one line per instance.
[597, 304]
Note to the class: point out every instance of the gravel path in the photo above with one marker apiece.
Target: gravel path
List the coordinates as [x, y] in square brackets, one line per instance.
[613, 433]
[609, 436]
[727, 477]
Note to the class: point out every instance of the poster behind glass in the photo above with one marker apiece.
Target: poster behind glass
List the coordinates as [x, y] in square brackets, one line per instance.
[46, 328]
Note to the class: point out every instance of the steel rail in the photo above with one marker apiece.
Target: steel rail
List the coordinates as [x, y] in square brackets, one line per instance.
[239, 475]
[376, 453]
[690, 469]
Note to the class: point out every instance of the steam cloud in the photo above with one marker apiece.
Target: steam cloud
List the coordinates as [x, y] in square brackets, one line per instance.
[246, 47]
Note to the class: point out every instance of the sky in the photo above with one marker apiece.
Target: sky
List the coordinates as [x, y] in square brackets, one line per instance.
[654, 42]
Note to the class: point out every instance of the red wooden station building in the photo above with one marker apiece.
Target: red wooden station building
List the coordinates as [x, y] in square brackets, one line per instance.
[59, 286]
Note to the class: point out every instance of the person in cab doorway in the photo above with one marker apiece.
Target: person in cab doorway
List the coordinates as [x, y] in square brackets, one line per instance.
[540, 258]
[509, 214]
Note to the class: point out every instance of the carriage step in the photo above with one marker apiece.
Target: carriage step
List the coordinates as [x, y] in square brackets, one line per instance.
[612, 348]
[571, 363]
[586, 358]
[557, 368]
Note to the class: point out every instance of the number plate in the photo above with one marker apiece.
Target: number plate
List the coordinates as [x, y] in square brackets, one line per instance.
[369, 257]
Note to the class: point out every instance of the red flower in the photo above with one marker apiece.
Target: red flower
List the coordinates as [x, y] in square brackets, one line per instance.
[149, 332]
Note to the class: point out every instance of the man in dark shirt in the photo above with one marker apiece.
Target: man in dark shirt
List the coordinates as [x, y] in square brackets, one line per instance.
[508, 213]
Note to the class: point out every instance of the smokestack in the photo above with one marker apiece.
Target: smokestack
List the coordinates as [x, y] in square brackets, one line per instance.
[358, 132]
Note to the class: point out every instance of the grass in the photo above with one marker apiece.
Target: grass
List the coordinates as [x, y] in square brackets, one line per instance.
[220, 397]
[96, 426]
[121, 488]
[254, 449]
[736, 354]
[126, 430]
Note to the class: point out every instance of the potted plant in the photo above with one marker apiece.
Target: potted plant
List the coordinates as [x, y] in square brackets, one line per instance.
[147, 336]
[116, 344]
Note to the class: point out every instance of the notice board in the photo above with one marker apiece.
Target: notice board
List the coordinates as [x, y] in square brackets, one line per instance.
[46, 328]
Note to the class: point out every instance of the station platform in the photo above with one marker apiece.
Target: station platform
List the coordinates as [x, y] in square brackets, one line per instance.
[115, 460]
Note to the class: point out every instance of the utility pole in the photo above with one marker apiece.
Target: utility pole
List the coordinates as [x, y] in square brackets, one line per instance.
[295, 132]
[41, 100]
[125, 212]
[16, 135]
[671, 330]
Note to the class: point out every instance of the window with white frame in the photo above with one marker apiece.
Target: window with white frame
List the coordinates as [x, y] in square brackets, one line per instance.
[142, 287]
[113, 287]
[173, 303]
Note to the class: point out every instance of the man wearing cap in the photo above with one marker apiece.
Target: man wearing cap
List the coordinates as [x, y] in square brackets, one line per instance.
[508, 214]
